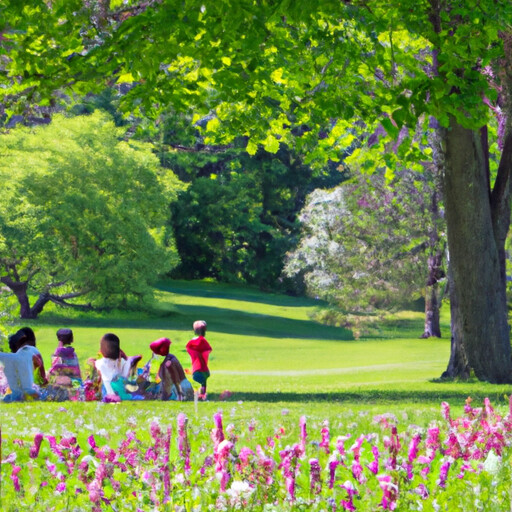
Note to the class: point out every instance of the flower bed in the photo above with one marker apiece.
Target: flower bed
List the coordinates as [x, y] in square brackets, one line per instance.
[459, 463]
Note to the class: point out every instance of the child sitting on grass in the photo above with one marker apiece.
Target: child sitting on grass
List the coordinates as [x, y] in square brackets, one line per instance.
[199, 350]
[65, 368]
[114, 370]
[175, 385]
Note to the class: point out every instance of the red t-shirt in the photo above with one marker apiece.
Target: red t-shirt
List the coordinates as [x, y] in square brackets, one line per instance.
[199, 350]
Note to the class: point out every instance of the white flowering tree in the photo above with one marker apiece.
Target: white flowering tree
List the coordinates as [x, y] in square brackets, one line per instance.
[369, 245]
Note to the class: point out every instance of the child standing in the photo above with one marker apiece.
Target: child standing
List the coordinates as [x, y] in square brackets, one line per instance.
[199, 350]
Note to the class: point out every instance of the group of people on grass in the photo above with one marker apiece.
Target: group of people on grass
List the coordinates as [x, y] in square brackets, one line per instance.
[112, 377]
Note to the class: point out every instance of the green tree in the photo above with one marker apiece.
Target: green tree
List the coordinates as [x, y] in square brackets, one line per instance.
[306, 74]
[83, 214]
[238, 217]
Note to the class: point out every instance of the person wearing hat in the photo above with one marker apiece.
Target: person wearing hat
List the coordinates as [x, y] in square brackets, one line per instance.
[175, 385]
[65, 368]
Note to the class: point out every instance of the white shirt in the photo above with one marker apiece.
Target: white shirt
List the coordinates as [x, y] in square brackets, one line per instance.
[111, 368]
[19, 368]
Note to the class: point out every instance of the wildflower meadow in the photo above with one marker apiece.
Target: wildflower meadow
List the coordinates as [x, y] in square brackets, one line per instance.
[182, 463]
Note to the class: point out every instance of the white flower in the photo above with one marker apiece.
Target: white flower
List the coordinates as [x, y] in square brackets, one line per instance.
[492, 463]
[239, 492]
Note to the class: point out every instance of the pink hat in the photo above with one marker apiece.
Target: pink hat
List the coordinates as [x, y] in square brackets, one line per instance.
[161, 346]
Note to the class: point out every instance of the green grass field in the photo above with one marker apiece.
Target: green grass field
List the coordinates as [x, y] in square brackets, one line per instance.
[272, 356]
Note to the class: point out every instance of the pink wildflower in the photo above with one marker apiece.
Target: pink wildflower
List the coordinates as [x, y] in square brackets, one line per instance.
[54, 447]
[289, 465]
[244, 457]
[155, 430]
[315, 478]
[413, 448]
[356, 447]
[348, 504]
[443, 473]
[92, 442]
[166, 470]
[333, 464]
[422, 491]
[489, 411]
[445, 410]
[34, 449]
[374, 465]
[218, 431]
[14, 477]
[325, 442]
[266, 467]
[222, 462]
[183, 444]
[389, 492]
[208, 462]
[340, 445]
[303, 434]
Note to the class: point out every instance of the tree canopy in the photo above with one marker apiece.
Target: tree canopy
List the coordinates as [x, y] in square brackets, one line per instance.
[83, 213]
[321, 77]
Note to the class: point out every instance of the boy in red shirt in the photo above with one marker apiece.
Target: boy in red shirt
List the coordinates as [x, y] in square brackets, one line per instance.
[199, 350]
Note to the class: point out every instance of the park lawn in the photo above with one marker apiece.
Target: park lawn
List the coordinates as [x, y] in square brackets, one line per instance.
[276, 361]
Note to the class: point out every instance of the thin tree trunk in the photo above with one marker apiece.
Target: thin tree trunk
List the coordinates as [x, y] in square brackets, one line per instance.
[432, 320]
[435, 270]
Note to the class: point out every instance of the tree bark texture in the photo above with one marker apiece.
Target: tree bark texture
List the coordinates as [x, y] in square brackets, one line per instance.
[475, 225]
[458, 366]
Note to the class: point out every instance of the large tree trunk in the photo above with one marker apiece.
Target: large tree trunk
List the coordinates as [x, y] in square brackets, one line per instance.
[476, 220]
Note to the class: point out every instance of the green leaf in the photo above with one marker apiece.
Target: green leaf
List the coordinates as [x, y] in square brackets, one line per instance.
[390, 128]
[271, 144]
[125, 78]
[251, 148]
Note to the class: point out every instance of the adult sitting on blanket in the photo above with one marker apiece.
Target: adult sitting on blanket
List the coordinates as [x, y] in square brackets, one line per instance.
[20, 366]
[175, 385]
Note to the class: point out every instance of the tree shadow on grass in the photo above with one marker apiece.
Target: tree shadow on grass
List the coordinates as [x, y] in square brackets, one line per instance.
[372, 396]
[220, 320]
[230, 321]
[242, 293]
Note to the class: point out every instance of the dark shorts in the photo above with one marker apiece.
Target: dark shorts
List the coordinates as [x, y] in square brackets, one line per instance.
[201, 377]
